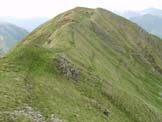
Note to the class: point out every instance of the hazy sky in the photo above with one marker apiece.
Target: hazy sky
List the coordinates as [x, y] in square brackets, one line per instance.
[50, 8]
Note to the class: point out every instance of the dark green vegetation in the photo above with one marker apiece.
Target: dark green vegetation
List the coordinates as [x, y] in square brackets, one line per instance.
[119, 78]
[9, 36]
[151, 23]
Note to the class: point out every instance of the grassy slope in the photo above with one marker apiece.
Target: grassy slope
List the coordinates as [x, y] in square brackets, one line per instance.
[117, 61]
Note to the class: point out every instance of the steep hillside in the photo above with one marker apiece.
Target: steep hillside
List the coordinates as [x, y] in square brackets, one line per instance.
[150, 23]
[10, 35]
[85, 65]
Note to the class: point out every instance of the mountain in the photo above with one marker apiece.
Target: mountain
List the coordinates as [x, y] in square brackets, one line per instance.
[130, 14]
[84, 65]
[149, 19]
[151, 23]
[27, 23]
[152, 11]
[9, 35]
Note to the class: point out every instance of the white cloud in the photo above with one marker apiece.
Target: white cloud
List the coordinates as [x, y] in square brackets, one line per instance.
[50, 8]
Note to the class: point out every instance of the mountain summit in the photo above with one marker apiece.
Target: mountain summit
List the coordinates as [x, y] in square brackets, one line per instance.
[85, 65]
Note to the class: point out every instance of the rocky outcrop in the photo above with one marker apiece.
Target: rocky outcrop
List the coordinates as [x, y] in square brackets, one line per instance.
[27, 113]
[65, 67]
[54, 118]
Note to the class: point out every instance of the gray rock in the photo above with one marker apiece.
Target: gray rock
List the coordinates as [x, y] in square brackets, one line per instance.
[106, 112]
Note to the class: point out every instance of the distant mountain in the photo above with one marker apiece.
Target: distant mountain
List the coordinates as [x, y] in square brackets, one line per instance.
[26, 23]
[152, 11]
[84, 65]
[130, 14]
[150, 23]
[149, 19]
[9, 35]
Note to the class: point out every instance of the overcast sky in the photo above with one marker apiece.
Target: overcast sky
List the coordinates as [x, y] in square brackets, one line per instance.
[50, 8]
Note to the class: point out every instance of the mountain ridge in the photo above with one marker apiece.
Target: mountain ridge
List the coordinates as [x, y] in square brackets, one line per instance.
[84, 65]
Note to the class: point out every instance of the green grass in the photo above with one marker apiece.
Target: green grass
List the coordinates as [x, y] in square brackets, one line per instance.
[115, 73]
